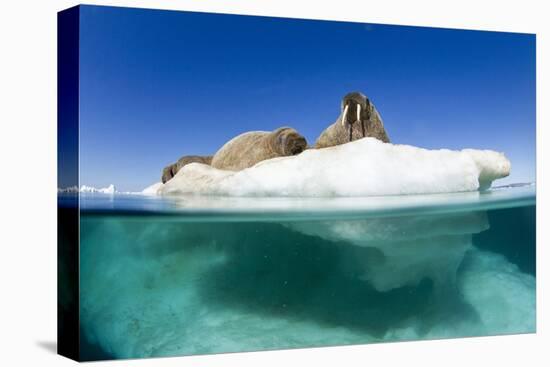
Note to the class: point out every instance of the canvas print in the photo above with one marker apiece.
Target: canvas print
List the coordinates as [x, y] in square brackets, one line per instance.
[232, 183]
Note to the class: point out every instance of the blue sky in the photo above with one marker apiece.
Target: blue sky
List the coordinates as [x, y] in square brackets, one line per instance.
[157, 85]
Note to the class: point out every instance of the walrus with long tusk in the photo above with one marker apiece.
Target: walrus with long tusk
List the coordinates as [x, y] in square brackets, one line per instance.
[358, 119]
[246, 150]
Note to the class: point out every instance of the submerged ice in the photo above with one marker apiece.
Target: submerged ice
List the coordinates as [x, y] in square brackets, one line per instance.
[404, 250]
[364, 167]
[171, 287]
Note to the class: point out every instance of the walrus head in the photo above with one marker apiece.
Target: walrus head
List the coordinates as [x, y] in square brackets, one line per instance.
[356, 109]
[287, 141]
[358, 119]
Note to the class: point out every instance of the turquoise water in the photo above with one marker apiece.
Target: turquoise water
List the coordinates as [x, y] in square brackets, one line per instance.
[182, 276]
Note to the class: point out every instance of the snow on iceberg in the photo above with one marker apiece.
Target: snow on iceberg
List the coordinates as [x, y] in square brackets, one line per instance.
[365, 167]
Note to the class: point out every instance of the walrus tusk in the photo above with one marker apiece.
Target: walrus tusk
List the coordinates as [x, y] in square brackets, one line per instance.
[344, 115]
[359, 119]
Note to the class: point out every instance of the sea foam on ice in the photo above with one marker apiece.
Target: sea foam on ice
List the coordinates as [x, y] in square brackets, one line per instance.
[365, 167]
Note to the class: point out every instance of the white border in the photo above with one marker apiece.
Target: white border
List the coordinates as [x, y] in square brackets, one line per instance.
[28, 161]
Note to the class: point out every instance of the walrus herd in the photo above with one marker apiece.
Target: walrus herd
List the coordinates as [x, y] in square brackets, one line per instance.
[358, 119]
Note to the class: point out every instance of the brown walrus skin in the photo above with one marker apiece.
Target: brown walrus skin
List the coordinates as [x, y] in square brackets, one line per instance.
[245, 151]
[252, 147]
[170, 171]
[369, 123]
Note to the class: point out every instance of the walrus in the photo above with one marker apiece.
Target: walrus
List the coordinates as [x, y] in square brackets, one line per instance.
[249, 148]
[245, 150]
[170, 171]
[358, 119]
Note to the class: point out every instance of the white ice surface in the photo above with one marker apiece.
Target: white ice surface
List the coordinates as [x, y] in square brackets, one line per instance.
[365, 167]
[153, 189]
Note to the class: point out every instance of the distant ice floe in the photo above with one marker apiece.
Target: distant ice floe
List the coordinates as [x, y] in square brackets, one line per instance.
[111, 189]
[514, 185]
[365, 167]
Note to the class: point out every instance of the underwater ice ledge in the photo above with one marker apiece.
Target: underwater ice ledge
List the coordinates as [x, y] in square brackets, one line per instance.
[365, 167]
[162, 287]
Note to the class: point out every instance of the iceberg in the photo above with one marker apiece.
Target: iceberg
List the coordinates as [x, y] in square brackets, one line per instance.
[106, 190]
[111, 189]
[365, 167]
